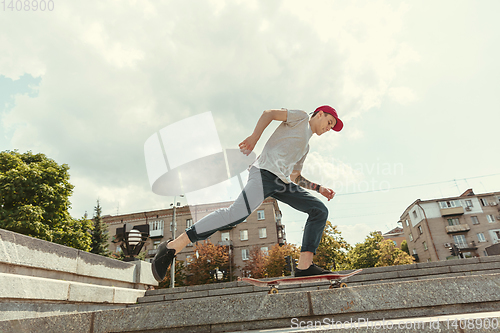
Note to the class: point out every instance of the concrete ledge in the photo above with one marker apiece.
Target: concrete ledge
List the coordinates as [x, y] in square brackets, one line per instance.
[443, 296]
[20, 254]
[34, 288]
[36, 274]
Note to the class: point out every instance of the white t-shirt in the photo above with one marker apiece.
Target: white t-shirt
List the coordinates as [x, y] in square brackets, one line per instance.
[287, 147]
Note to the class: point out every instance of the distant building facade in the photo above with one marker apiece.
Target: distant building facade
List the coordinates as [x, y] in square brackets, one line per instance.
[263, 228]
[396, 235]
[470, 221]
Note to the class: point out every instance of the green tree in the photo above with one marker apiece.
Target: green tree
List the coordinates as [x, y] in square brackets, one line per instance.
[404, 246]
[332, 250]
[390, 255]
[34, 200]
[99, 233]
[276, 263]
[364, 255]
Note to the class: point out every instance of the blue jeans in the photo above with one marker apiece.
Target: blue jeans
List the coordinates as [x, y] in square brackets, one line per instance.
[261, 185]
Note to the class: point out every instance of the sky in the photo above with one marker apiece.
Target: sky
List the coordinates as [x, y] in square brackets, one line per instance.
[415, 83]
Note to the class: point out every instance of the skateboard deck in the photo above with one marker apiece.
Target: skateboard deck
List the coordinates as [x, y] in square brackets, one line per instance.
[274, 284]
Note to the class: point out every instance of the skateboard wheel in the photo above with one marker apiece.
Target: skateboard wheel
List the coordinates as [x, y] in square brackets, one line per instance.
[273, 290]
[343, 285]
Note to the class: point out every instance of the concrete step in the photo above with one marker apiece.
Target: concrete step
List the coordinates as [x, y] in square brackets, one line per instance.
[376, 275]
[243, 312]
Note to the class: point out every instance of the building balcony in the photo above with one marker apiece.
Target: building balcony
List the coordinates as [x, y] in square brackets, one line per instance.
[467, 246]
[225, 243]
[452, 211]
[457, 228]
[156, 233]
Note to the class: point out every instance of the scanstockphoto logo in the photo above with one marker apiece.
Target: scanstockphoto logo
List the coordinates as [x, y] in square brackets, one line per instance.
[187, 158]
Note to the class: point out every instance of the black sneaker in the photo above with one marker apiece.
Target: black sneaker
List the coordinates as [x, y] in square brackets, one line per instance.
[312, 270]
[162, 261]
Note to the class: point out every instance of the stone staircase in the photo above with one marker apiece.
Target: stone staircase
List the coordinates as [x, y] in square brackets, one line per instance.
[376, 275]
[465, 286]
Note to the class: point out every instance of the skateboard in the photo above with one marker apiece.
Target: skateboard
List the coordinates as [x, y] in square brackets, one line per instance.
[334, 279]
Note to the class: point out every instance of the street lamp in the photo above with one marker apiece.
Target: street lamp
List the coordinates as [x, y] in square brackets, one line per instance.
[174, 229]
[131, 240]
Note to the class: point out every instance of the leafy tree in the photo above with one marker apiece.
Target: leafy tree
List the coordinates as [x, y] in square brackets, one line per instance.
[99, 233]
[404, 246]
[332, 250]
[390, 255]
[180, 276]
[256, 264]
[276, 263]
[34, 200]
[364, 254]
[210, 257]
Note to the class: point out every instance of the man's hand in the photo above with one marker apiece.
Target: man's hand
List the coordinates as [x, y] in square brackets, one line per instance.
[326, 192]
[248, 145]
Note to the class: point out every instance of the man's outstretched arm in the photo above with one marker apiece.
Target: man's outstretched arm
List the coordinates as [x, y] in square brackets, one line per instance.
[303, 182]
[265, 119]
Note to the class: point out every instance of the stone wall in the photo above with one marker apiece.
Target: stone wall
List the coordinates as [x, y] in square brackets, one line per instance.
[40, 278]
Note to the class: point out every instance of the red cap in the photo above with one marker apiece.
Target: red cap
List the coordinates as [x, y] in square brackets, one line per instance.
[328, 109]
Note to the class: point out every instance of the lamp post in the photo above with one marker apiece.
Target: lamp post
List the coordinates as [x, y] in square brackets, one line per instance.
[174, 229]
[131, 240]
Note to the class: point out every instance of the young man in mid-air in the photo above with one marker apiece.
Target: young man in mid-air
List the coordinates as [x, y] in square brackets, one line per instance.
[275, 173]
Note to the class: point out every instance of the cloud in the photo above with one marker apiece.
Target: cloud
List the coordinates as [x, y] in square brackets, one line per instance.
[113, 74]
[402, 95]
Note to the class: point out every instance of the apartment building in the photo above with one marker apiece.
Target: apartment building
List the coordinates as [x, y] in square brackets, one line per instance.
[470, 221]
[263, 228]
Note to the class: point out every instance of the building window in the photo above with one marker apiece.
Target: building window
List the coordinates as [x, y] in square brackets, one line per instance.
[411, 238]
[407, 224]
[395, 243]
[262, 233]
[484, 202]
[447, 204]
[460, 241]
[243, 235]
[468, 203]
[474, 220]
[481, 238]
[224, 236]
[189, 223]
[261, 215]
[415, 214]
[453, 221]
[425, 246]
[156, 244]
[245, 255]
[265, 250]
[490, 218]
[414, 251]
[420, 229]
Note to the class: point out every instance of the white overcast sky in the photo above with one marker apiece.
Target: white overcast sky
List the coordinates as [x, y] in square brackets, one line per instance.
[416, 83]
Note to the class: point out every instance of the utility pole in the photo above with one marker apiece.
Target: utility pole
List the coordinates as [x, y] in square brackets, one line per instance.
[174, 229]
[172, 267]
